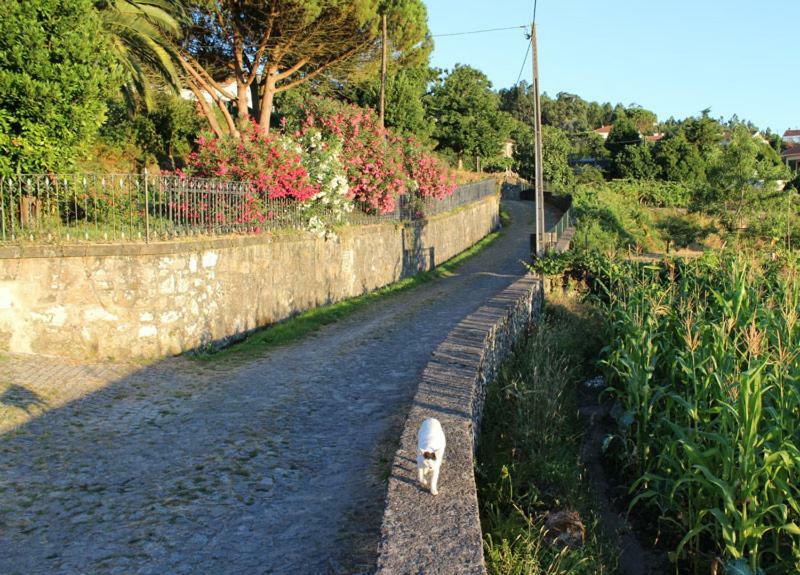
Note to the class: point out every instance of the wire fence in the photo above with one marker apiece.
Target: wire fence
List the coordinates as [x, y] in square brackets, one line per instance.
[145, 207]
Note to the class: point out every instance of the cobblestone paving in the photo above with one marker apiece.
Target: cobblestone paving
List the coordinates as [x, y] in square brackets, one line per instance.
[270, 465]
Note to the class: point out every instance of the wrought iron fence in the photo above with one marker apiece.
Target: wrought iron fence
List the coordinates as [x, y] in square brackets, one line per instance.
[414, 208]
[146, 207]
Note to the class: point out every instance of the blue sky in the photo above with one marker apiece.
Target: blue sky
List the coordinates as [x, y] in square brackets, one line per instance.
[675, 57]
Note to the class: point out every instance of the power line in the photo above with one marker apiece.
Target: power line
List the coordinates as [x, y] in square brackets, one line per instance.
[535, 2]
[524, 60]
[478, 31]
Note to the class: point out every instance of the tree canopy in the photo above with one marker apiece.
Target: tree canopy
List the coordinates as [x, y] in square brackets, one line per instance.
[741, 177]
[467, 113]
[272, 47]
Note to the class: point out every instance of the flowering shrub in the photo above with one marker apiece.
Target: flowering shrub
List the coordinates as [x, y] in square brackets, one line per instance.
[334, 158]
[371, 156]
[272, 165]
[429, 177]
[326, 171]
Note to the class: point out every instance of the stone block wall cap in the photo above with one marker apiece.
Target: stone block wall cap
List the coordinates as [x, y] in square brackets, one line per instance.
[449, 540]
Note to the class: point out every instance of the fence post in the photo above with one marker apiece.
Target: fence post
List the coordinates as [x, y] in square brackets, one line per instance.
[146, 209]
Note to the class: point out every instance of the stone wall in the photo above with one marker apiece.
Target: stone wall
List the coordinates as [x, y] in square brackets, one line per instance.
[442, 534]
[125, 301]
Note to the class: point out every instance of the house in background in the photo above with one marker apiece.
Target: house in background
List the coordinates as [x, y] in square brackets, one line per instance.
[507, 149]
[604, 131]
[791, 136]
[791, 155]
[229, 85]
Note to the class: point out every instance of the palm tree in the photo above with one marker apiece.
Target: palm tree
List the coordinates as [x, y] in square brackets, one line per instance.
[141, 33]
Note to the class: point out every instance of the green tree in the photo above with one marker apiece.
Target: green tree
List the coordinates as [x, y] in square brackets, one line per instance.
[644, 120]
[635, 162]
[556, 148]
[742, 180]
[271, 47]
[168, 131]
[467, 115]
[623, 133]
[566, 112]
[630, 155]
[590, 145]
[408, 71]
[705, 134]
[519, 102]
[678, 160]
[56, 71]
[599, 114]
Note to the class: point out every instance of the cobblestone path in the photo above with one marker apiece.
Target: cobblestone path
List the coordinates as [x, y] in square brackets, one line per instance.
[268, 465]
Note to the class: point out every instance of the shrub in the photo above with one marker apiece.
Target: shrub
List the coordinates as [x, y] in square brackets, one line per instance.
[271, 164]
[334, 158]
[428, 177]
[372, 159]
[55, 73]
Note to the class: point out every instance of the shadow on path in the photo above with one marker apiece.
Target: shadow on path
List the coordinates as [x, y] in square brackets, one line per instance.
[274, 464]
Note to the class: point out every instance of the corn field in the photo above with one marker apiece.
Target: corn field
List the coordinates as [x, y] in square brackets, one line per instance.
[703, 365]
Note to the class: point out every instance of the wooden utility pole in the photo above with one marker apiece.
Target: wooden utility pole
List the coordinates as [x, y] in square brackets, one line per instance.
[537, 147]
[383, 71]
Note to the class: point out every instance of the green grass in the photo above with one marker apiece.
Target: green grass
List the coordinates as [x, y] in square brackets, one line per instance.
[529, 460]
[310, 321]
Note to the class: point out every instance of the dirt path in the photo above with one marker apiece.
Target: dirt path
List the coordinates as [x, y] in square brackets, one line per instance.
[270, 465]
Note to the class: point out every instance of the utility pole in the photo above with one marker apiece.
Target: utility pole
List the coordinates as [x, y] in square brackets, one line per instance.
[383, 71]
[537, 145]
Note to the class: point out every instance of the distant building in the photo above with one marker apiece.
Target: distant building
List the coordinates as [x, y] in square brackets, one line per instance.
[791, 136]
[228, 85]
[507, 150]
[791, 156]
[604, 131]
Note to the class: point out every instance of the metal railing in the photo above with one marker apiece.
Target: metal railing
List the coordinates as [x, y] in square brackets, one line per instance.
[555, 233]
[463, 195]
[146, 207]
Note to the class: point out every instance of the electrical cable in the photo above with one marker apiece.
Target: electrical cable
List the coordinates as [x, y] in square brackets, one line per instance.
[524, 61]
[477, 31]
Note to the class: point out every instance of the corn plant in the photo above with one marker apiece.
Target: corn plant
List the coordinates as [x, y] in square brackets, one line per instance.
[703, 361]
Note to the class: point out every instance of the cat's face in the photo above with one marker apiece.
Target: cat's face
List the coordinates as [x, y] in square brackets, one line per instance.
[429, 459]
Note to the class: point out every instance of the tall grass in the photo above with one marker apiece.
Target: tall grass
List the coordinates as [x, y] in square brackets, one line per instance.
[529, 451]
[703, 361]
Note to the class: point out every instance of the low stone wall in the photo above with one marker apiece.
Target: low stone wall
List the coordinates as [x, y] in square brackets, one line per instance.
[125, 301]
[442, 534]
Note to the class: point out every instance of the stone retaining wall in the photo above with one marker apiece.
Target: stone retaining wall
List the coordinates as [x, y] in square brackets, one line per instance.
[126, 301]
[426, 534]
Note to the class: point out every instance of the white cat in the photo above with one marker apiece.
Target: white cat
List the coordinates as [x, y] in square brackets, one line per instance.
[430, 451]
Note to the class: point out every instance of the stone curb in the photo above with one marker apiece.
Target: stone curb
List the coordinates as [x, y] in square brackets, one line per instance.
[423, 534]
